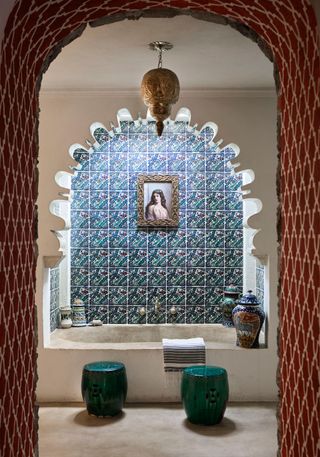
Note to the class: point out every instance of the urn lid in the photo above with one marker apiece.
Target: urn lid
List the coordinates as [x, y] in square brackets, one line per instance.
[249, 299]
[231, 290]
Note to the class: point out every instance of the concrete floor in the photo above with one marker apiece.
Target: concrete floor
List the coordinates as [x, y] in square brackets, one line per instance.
[157, 430]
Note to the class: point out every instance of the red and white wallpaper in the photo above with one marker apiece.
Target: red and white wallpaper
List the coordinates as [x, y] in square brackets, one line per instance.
[289, 28]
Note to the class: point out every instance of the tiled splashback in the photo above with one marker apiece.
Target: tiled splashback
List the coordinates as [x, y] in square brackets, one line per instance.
[260, 284]
[54, 298]
[117, 268]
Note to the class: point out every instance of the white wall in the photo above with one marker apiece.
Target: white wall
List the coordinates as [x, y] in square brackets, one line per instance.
[247, 119]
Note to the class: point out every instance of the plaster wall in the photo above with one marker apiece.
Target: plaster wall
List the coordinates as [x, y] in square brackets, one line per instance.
[247, 119]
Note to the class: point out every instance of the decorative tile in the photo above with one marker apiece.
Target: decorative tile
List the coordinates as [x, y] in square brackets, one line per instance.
[80, 258]
[137, 296]
[79, 276]
[81, 293]
[99, 277]
[138, 164]
[157, 163]
[156, 257]
[234, 258]
[99, 239]
[233, 276]
[194, 314]
[195, 238]
[233, 201]
[196, 181]
[212, 315]
[99, 180]
[156, 316]
[118, 276]
[179, 315]
[176, 296]
[117, 314]
[215, 258]
[233, 183]
[97, 312]
[196, 276]
[134, 316]
[213, 295]
[137, 258]
[80, 181]
[118, 239]
[98, 200]
[138, 239]
[234, 239]
[195, 296]
[196, 200]
[157, 238]
[99, 296]
[234, 219]
[99, 162]
[79, 199]
[196, 219]
[101, 135]
[196, 257]
[177, 162]
[54, 320]
[215, 201]
[176, 239]
[118, 181]
[177, 258]
[157, 276]
[215, 239]
[176, 277]
[118, 257]
[81, 156]
[215, 220]
[118, 201]
[118, 295]
[138, 277]
[98, 219]
[118, 219]
[156, 293]
[214, 277]
[215, 182]
[119, 145]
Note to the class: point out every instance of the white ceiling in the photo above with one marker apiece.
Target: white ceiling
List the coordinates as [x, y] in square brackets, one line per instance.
[205, 56]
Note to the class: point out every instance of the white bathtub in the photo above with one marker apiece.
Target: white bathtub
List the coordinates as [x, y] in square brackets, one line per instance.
[252, 377]
[143, 335]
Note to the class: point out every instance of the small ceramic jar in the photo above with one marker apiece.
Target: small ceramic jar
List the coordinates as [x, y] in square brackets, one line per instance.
[65, 317]
[78, 314]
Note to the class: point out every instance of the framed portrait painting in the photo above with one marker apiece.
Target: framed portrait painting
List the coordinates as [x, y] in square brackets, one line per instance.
[158, 201]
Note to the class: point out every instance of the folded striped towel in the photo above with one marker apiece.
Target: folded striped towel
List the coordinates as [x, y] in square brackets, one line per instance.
[179, 354]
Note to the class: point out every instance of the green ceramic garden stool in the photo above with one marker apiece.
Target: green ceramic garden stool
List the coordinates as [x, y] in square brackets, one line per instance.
[104, 388]
[204, 394]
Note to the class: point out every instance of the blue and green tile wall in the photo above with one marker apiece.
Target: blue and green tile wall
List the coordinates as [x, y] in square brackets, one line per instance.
[260, 284]
[54, 298]
[117, 268]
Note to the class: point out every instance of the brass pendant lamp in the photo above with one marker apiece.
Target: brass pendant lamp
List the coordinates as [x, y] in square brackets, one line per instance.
[160, 87]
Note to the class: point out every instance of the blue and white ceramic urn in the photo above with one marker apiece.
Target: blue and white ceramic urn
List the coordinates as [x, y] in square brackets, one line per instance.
[229, 301]
[248, 318]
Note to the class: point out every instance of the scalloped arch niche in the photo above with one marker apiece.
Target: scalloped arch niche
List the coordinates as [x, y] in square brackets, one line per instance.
[118, 269]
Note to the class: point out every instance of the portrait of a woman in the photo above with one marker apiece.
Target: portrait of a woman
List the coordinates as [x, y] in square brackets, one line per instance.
[157, 209]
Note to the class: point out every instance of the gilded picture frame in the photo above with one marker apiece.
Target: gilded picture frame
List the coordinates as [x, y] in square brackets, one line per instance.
[158, 201]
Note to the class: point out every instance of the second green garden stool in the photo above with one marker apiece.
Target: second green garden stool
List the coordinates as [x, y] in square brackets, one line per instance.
[104, 388]
[204, 394]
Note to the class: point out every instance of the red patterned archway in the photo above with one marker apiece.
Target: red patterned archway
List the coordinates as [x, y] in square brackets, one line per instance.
[33, 30]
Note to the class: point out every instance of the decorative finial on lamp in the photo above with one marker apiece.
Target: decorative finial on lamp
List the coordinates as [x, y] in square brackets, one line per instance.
[160, 87]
